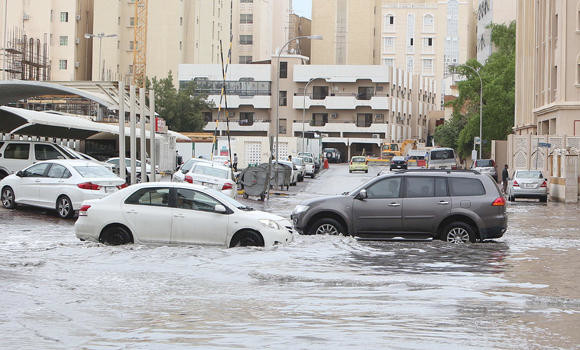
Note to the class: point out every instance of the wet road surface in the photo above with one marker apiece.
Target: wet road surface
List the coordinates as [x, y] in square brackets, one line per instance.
[519, 292]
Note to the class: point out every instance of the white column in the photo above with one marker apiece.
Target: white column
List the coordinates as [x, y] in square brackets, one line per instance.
[133, 141]
[143, 116]
[122, 167]
[152, 135]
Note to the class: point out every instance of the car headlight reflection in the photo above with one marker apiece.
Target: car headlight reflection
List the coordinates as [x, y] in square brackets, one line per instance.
[300, 209]
[269, 223]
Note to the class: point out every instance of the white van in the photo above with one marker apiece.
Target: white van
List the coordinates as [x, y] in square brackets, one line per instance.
[442, 158]
[17, 155]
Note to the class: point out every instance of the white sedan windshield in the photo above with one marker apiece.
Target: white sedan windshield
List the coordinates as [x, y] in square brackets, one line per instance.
[94, 171]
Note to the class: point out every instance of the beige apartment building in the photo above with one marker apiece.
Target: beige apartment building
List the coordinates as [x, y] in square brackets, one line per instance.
[488, 12]
[353, 108]
[419, 36]
[178, 32]
[57, 28]
[548, 68]
[300, 26]
[260, 28]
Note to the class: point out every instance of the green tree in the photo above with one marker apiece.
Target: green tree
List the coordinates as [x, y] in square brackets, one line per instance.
[498, 76]
[182, 109]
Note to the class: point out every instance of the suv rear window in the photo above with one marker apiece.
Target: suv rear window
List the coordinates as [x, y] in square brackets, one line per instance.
[484, 163]
[17, 151]
[46, 152]
[459, 187]
[442, 154]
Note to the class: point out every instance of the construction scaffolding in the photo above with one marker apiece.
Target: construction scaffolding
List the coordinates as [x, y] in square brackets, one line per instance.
[26, 58]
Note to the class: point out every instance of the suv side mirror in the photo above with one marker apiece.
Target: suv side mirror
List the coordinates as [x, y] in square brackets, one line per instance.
[220, 209]
[362, 195]
[20, 173]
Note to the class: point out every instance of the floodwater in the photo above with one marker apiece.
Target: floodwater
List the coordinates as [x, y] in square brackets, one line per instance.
[519, 292]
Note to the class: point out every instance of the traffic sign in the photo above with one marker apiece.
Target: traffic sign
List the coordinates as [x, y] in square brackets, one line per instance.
[544, 144]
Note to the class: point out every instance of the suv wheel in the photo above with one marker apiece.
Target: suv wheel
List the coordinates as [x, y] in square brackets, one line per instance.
[459, 233]
[327, 226]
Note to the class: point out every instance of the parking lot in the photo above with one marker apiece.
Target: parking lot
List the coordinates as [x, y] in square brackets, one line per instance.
[520, 291]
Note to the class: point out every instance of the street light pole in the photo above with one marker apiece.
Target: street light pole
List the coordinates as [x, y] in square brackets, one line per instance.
[100, 36]
[311, 37]
[480, 108]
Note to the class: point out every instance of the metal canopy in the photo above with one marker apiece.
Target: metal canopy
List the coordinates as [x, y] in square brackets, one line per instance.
[12, 91]
[42, 124]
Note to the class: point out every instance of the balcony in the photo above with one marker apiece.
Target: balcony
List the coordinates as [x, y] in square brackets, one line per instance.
[343, 101]
[240, 125]
[235, 101]
[338, 127]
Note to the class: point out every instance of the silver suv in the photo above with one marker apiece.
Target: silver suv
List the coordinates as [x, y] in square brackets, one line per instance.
[455, 206]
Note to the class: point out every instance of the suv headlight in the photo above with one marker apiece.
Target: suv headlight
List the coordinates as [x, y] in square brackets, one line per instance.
[300, 209]
[269, 223]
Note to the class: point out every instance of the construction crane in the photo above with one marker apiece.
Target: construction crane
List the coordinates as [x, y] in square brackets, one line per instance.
[140, 49]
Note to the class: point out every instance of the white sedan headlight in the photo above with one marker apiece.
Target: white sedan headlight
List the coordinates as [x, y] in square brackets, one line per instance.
[269, 223]
[300, 208]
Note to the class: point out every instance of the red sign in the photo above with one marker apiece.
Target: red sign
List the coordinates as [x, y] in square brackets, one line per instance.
[160, 126]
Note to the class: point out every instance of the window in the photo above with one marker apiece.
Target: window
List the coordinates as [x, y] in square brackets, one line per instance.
[63, 40]
[211, 171]
[180, 21]
[37, 170]
[62, 64]
[427, 44]
[427, 66]
[465, 187]
[56, 171]
[17, 151]
[388, 44]
[246, 118]
[246, 40]
[319, 119]
[389, 62]
[283, 98]
[428, 23]
[64, 16]
[131, 45]
[420, 187]
[283, 70]
[389, 23]
[180, 45]
[441, 187]
[207, 117]
[245, 59]
[282, 127]
[194, 200]
[130, 69]
[118, 21]
[364, 120]
[386, 188]
[46, 152]
[319, 92]
[96, 171]
[246, 18]
[365, 93]
[410, 63]
[158, 197]
[131, 21]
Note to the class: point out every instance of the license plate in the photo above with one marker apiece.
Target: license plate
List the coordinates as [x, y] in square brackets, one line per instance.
[209, 185]
[529, 185]
[110, 189]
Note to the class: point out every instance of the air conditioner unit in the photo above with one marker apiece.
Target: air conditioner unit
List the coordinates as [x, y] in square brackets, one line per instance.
[78, 18]
[334, 115]
[376, 136]
[77, 64]
[78, 41]
[379, 116]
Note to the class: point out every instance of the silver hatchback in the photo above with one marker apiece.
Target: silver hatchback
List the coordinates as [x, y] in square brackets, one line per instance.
[455, 206]
[528, 184]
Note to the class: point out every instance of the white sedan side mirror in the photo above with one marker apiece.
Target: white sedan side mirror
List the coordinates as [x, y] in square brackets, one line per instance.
[220, 209]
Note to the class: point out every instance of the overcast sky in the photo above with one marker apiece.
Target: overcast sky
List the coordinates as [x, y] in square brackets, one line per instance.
[302, 7]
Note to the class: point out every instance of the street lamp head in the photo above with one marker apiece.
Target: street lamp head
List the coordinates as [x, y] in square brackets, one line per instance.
[314, 37]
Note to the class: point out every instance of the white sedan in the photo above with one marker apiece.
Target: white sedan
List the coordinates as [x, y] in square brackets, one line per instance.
[178, 213]
[59, 184]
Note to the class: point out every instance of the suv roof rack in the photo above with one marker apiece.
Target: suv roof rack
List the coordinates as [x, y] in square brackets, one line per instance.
[448, 171]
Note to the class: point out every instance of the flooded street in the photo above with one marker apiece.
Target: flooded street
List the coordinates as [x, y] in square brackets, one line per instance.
[519, 292]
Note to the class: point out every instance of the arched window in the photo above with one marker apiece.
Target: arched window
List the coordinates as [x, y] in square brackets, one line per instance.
[428, 23]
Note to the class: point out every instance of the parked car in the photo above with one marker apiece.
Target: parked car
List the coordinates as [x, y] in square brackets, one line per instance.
[455, 206]
[309, 166]
[16, 155]
[442, 158]
[115, 163]
[528, 184]
[213, 176]
[222, 160]
[485, 166]
[179, 175]
[59, 184]
[358, 163]
[416, 159]
[178, 213]
[315, 157]
[398, 162]
[332, 154]
[83, 156]
[301, 167]
[294, 174]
